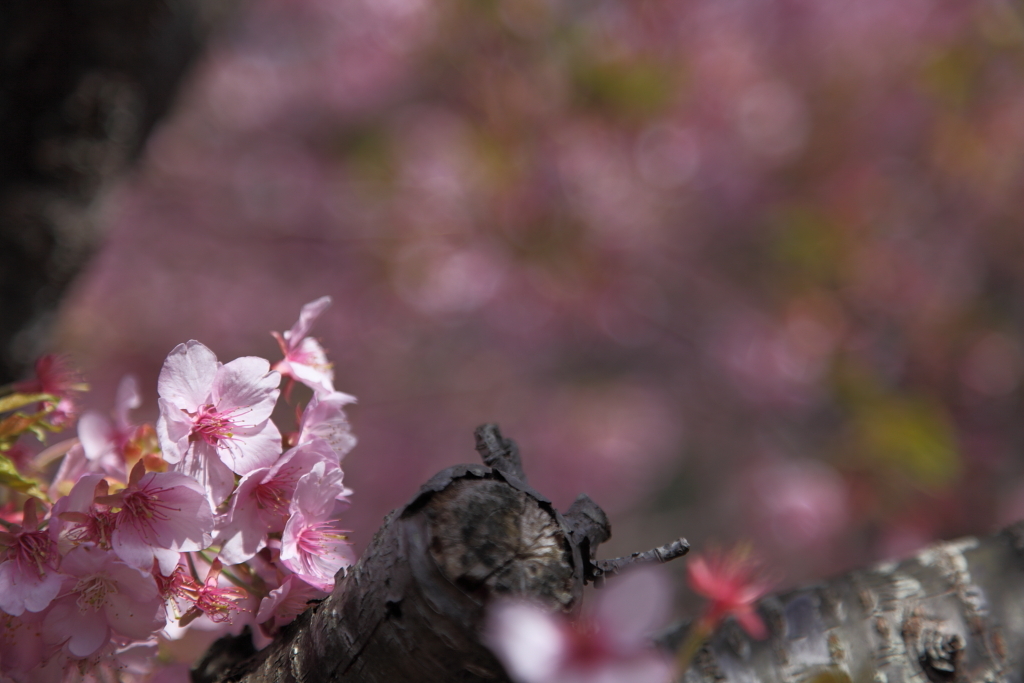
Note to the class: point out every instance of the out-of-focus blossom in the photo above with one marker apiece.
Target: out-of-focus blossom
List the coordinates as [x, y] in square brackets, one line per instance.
[21, 643]
[215, 418]
[610, 646]
[731, 582]
[104, 441]
[797, 504]
[29, 579]
[304, 358]
[313, 546]
[57, 376]
[102, 596]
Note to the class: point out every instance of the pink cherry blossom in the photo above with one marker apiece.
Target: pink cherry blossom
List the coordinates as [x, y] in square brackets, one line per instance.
[263, 498]
[28, 573]
[159, 515]
[215, 418]
[612, 645]
[102, 597]
[730, 581]
[313, 546]
[304, 358]
[324, 418]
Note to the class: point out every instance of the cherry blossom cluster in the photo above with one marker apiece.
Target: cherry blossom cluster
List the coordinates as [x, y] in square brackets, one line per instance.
[209, 520]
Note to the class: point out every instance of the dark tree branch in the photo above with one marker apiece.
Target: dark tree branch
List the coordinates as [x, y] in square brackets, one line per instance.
[670, 551]
[499, 452]
[411, 609]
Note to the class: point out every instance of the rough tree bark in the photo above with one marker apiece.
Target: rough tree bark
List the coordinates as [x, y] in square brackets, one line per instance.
[411, 609]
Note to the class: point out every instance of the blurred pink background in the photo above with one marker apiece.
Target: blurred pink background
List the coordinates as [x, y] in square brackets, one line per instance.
[738, 269]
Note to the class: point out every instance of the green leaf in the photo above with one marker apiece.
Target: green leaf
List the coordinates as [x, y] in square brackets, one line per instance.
[11, 478]
[15, 401]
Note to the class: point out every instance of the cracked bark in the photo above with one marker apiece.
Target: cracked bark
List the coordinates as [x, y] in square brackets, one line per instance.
[411, 609]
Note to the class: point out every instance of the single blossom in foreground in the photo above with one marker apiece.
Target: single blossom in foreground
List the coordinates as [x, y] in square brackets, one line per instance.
[159, 515]
[730, 581]
[313, 545]
[612, 645]
[102, 597]
[28, 573]
[304, 358]
[215, 418]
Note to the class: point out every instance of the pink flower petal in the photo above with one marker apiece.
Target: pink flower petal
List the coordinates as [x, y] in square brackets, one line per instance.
[310, 312]
[128, 398]
[633, 605]
[245, 533]
[173, 430]
[22, 588]
[246, 385]
[203, 463]
[187, 374]
[324, 417]
[83, 631]
[251, 448]
[528, 641]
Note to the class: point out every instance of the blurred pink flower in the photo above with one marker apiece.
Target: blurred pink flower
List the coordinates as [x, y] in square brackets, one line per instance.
[28, 574]
[57, 376]
[304, 358]
[103, 441]
[103, 596]
[612, 646]
[215, 418]
[731, 583]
